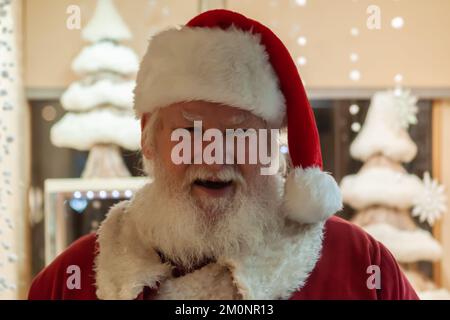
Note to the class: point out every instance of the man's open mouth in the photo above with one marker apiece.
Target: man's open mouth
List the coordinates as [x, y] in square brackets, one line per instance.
[210, 184]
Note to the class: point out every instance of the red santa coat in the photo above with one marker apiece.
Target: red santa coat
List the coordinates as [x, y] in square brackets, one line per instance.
[325, 261]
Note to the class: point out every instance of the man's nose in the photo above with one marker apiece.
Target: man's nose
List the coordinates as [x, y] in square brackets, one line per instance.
[212, 152]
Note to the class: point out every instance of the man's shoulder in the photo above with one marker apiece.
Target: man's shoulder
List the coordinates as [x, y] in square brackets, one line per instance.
[81, 252]
[80, 246]
[350, 256]
[71, 274]
[348, 251]
[338, 224]
[346, 240]
[341, 232]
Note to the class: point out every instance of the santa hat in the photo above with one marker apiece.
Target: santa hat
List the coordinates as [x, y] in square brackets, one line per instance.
[222, 56]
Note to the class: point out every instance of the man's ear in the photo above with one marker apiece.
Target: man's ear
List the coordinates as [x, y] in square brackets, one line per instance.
[146, 150]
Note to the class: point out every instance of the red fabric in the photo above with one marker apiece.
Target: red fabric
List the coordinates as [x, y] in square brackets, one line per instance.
[339, 274]
[50, 283]
[303, 137]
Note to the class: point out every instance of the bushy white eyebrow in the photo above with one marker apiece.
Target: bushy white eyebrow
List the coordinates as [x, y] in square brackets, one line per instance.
[190, 116]
[237, 119]
[233, 120]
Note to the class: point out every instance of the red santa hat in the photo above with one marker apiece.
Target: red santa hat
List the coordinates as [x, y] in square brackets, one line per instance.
[222, 56]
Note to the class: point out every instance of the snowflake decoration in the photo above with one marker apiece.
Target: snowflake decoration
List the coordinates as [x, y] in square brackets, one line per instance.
[407, 109]
[432, 203]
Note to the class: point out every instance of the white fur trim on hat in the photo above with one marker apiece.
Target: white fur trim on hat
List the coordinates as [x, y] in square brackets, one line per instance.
[311, 195]
[225, 66]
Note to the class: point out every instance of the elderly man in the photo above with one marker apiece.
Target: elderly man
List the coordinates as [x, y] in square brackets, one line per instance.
[211, 229]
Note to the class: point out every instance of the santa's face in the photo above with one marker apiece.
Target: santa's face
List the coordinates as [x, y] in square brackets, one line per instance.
[212, 186]
[192, 211]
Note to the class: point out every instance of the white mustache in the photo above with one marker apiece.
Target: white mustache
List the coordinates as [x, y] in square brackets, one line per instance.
[228, 173]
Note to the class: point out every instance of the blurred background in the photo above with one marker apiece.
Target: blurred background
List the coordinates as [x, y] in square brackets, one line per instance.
[377, 74]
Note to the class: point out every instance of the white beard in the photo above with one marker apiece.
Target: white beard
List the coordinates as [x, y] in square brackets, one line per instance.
[169, 219]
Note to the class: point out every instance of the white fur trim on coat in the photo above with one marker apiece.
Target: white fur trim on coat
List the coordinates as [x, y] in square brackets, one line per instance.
[282, 267]
[211, 282]
[124, 265]
[224, 66]
[311, 195]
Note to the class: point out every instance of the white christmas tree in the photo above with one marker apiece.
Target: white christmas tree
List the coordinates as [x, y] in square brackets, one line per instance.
[386, 196]
[100, 116]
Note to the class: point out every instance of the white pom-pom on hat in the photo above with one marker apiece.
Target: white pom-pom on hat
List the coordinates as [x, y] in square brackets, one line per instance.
[311, 195]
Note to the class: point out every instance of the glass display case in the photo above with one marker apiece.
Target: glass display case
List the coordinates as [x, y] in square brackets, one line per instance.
[75, 207]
